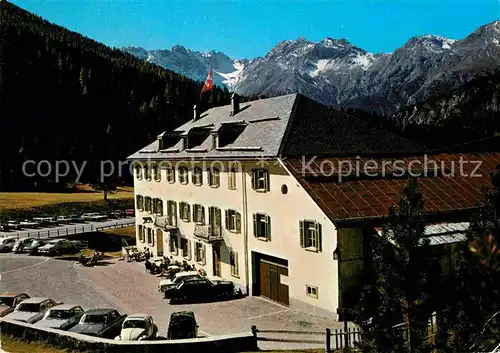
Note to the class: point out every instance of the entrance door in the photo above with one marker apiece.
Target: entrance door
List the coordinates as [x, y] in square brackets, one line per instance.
[216, 259]
[159, 242]
[273, 282]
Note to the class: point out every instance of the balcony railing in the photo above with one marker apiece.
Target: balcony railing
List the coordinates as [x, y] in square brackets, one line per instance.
[165, 222]
[208, 233]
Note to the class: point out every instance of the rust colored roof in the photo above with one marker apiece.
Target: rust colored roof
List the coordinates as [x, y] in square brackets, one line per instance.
[348, 193]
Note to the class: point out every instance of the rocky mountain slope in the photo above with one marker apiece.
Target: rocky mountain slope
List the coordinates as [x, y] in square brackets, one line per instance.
[337, 73]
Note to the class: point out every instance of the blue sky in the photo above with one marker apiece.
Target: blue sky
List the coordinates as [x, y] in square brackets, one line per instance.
[246, 28]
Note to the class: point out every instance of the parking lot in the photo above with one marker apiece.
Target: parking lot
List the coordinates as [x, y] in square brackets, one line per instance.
[128, 288]
[43, 232]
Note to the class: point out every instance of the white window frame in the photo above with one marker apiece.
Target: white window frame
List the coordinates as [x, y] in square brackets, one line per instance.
[157, 173]
[140, 202]
[150, 236]
[198, 210]
[171, 175]
[197, 176]
[312, 291]
[140, 233]
[262, 218]
[200, 253]
[172, 212]
[173, 244]
[213, 177]
[138, 172]
[234, 263]
[188, 243]
[231, 179]
[310, 235]
[185, 211]
[147, 172]
[183, 175]
[233, 221]
[260, 180]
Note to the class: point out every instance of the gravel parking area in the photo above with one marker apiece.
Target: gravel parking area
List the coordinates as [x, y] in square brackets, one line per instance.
[128, 288]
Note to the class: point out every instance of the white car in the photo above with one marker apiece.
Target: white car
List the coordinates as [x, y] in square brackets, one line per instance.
[62, 317]
[29, 224]
[56, 247]
[137, 327]
[179, 277]
[14, 224]
[31, 310]
[94, 216]
[7, 244]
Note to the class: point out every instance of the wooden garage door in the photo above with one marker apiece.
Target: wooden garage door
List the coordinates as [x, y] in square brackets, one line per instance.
[271, 282]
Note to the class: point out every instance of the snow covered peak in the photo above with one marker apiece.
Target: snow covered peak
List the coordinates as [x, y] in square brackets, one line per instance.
[431, 42]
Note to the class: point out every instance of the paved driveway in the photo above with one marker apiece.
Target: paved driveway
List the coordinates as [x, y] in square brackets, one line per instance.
[128, 288]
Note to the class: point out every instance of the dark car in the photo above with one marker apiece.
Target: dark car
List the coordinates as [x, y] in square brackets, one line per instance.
[199, 289]
[182, 325]
[8, 301]
[33, 246]
[106, 323]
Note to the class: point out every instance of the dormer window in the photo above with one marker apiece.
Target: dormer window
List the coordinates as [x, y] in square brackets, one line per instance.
[229, 132]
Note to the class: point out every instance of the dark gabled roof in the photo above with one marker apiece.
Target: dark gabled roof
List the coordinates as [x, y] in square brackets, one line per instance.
[365, 197]
[318, 130]
[289, 125]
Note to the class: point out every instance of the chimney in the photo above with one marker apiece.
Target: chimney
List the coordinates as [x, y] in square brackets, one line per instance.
[235, 104]
[196, 114]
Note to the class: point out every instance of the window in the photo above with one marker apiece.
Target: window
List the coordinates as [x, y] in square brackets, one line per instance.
[138, 172]
[184, 211]
[147, 173]
[233, 259]
[310, 235]
[158, 207]
[260, 180]
[233, 221]
[183, 175]
[140, 233]
[197, 176]
[198, 214]
[157, 173]
[213, 177]
[200, 252]
[148, 204]
[139, 200]
[150, 236]
[171, 175]
[214, 220]
[312, 291]
[186, 248]
[172, 213]
[262, 226]
[231, 179]
[173, 244]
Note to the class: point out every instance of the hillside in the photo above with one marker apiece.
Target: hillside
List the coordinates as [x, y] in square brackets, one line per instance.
[66, 97]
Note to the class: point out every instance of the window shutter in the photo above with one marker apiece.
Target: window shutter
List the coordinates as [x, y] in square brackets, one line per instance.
[319, 236]
[218, 217]
[153, 235]
[203, 214]
[227, 219]
[210, 215]
[160, 204]
[193, 177]
[195, 208]
[302, 234]
[268, 227]
[255, 233]
[180, 209]
[238, 222]
[266, 180]
[204, 255]
[188, 210]
[254, 179]
[174, 218]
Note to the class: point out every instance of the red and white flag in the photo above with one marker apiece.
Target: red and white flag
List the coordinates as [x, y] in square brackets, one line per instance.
[209, 82]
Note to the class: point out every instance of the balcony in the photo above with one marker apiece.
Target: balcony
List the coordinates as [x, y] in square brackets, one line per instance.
[208, 233]
[165, 222]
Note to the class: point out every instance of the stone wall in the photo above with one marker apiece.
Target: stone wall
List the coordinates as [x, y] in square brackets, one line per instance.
[77, 342]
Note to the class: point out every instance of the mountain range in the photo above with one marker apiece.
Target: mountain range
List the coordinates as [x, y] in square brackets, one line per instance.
[340, 74]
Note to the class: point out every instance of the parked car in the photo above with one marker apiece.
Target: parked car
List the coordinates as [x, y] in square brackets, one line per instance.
[182, 325]
[94, 216]
[29, 224]
[117, 214]
[31, 310]
[181, 276]
[14, 224]
[105, 323]
[64, 219]
[130, 212]
[7, 244]
[199, 289]
[21, 243]
[4, 227]
[74, 218]
[57, 247]
[9, 301]
[63, 316]
[138, 327]
[33, 247]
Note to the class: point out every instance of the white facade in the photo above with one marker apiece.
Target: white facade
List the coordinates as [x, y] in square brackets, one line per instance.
[312, 281]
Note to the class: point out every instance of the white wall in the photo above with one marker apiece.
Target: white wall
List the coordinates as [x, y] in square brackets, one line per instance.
[286, 210]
